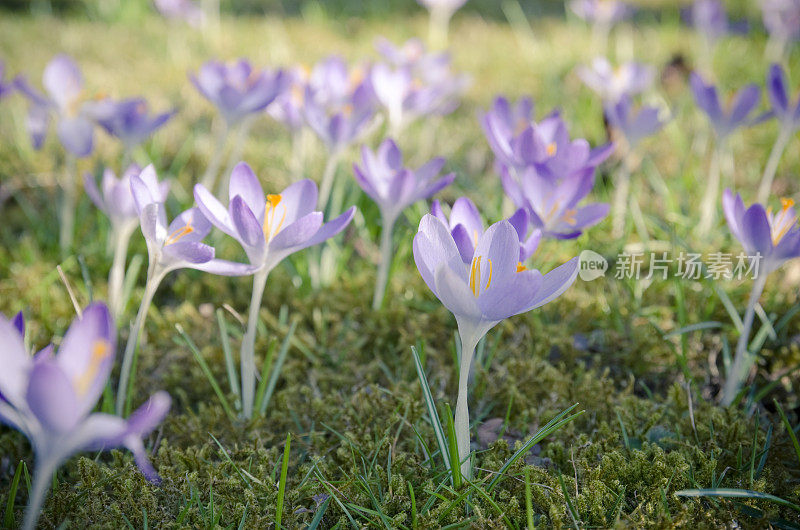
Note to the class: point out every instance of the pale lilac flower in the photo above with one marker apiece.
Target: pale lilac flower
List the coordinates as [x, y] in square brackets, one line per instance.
[129, 120]
[115, 198]
[782, 19]
[65, 99]
[50, 397]
[709, 18]
[725, 121]
[186, 10]
[778, 90]
[634, 125]
[288, 106]
[601, 12]
[338, 125]
[611, 83]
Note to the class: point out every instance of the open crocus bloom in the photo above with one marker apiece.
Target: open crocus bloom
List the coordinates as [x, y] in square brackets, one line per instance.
[392, 186]
[269, 227]
[129, 119]
[115, 197]
[786, 111]
[338, 123]
[634, 125]
[725, 121]
[65, 98]
[236, 89]
[466, 227]
[50, 396]
[493, 285]
[178, 244]
[775, 236]
[552, 205]
[611, 83]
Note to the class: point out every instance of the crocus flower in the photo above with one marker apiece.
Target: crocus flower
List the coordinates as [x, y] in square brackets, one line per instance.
[269, 228]
[709, 18]
[129, 120]
[466, 227]
[493, 286]
[338, 124]
[601, 12]
[552, 205]
[772, 239]
[63, 82]
[49, 397]
[611, 83]
[393, 187]
[634, 125]
[788, 114]
[725, 121]
[782, 19]
[236, 89]
[170, 246]
[115, 199]
[288, 106]
[407, 54]
[185, 10]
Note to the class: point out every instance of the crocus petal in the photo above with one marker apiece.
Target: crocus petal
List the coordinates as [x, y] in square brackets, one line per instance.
[142, 193]
[153, 220]
[213, 210]
[15, 362]
[63, 80]
[37, 121]
[498, 249]
[776, 89]
[733, 206]
[223, 267]
[465, 242]
[19, 322]
[454, 292]
[744, 102]
[510, 297]
[555, 282]
[51, 397]
[298, 232]
[299, 199]
[756, 233]
[189, 252]
[331, 228]
[76, 134]
[245, 184]
[250, 231]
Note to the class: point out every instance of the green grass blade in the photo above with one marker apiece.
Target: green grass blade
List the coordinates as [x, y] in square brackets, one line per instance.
[553, 425]
[452, 446]
[263, 402]
[441, 439]
[209, 375]
[528, 500]
[8, 519]
[319, 515]
[737, 494]
[282, 481]
[789, 429]
[230, 365]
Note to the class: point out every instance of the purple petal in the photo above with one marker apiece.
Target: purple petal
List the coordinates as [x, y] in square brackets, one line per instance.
[250, 231]
[51, 397]
[63, 80]
[555, 282]
[756, 232]
[76, 135]
[454, 292]
[245, 183]
[511, 297]
[190, 252]
[776, 89]
[298, 232]
[15, 361]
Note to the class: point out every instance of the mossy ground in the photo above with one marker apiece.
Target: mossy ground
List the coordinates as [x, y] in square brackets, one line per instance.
[348, 392]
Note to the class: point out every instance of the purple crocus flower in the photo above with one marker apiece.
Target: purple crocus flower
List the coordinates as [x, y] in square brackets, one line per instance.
[490, 288]
[269, 228]
[129, 120]
[611, 83]
[407, 54]
[782, 19]
[288, 106]
[49, 397]
[634, 125]
[394, 187]
[725, 121]
[787, 112]
[338, 123]
[185, 10]
[466, 227]
[709, 18]
[773, 236]
[63, 82]
[552, 205]
[236, 89]
[601, 12]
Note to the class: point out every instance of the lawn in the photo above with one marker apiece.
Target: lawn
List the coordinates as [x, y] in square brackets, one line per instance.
[363, 450]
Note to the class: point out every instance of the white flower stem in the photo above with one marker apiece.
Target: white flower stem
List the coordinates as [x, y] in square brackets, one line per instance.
[439, 27]
[461, 419]
[154, 278]
[328, 175]
[772, 163]
[708, 207]
[68, 199]
[743, 360]
[41, 483]
[209, 178]
[116, 276]
[621, 191]
[247, 355]
[385, 263]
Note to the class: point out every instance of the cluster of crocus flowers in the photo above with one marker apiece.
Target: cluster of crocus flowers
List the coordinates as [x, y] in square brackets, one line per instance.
[490, 286]
[612, 83]
[771, 237]
[238, 91]
[269, 227]
[394, 188]
[543, 170]
[50, 396]
[724, 121]
[170, 246]
[787, 113]
[414, 83]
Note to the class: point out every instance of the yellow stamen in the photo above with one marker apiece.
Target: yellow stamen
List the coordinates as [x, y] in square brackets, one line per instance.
[787, 203]
[552, 149]
[521, 267]
[569, 216]
[273, 200]
[475, 275]
[100, 350]
[178, 234]
[781, 223]
[489, 282]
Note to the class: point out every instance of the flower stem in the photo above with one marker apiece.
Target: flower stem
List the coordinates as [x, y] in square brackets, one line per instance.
[743, 360]
[116, 276]
[209, 178]
[326, 185]
[438, 27]
[461, 418]
[235, 155]
[708, 208]
[247, 355]
[772, 164]
[385, 263]
[41, 483]
[68, 200]
[153, 280]
[621, 192]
